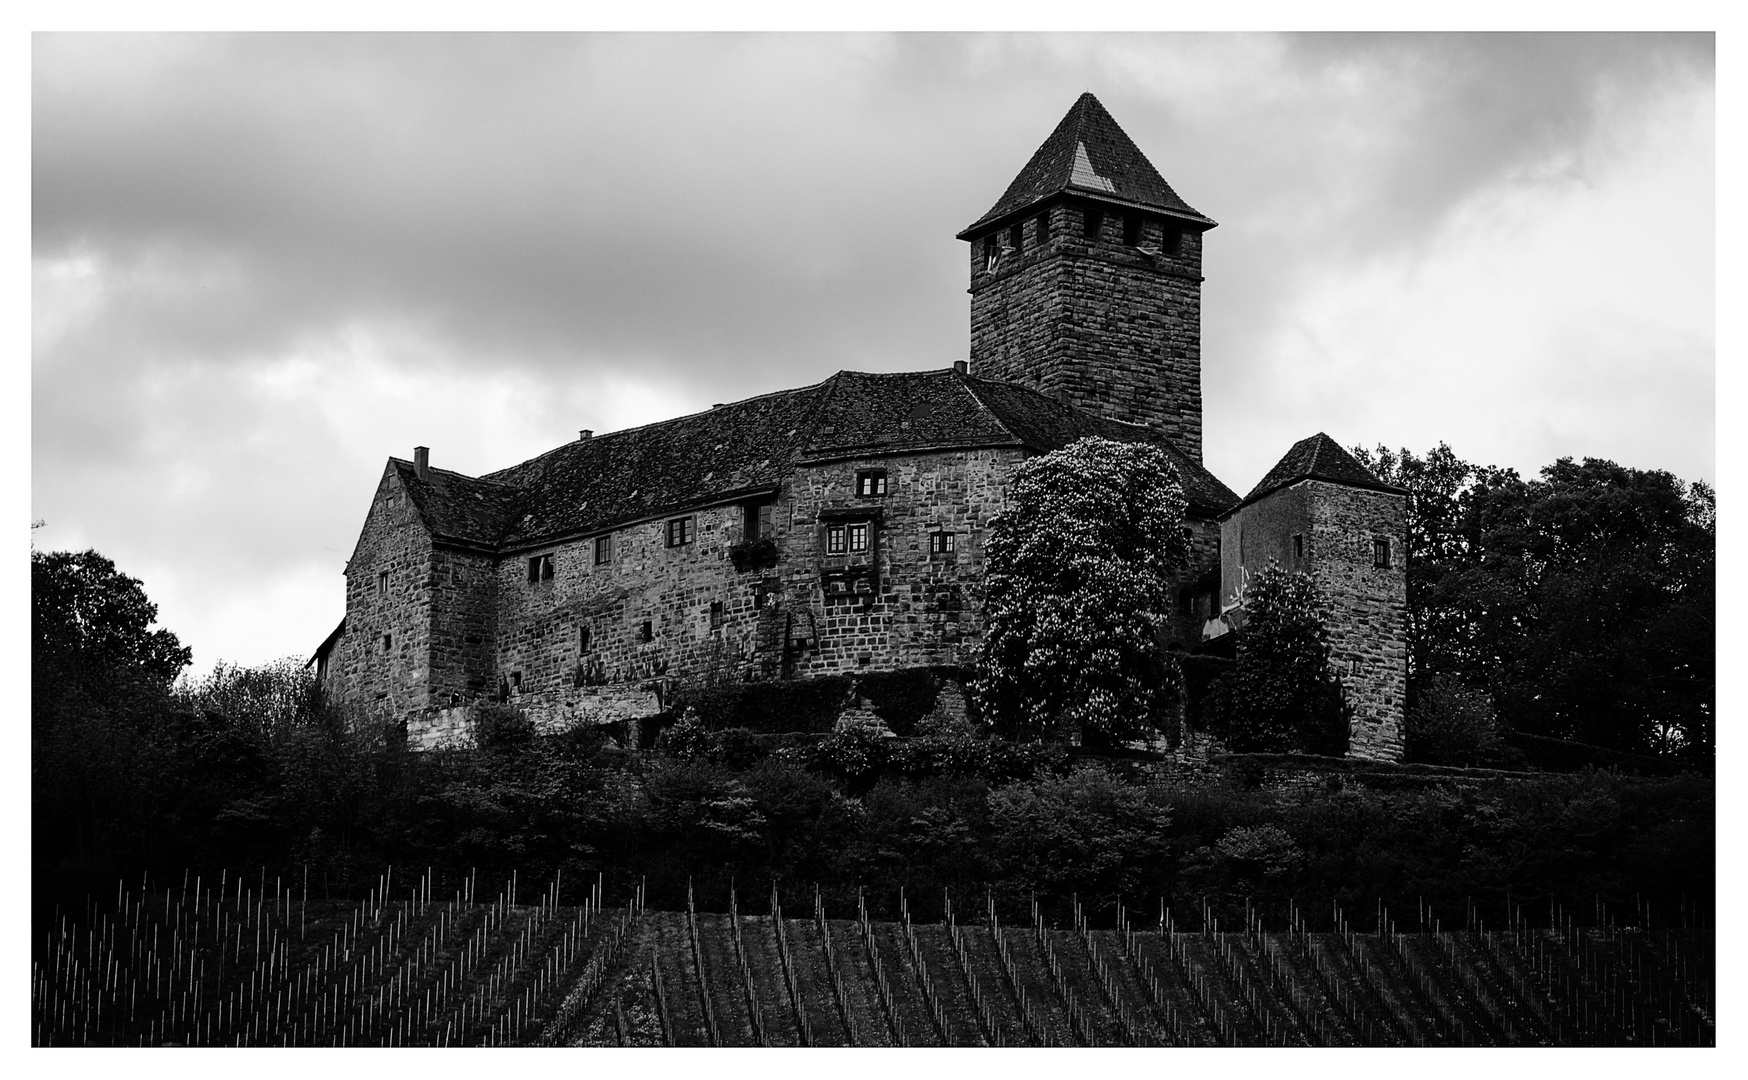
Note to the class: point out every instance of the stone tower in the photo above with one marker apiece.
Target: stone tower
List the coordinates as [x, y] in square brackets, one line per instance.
[1086, 281]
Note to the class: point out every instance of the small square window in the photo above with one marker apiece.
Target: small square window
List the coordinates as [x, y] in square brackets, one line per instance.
[647, 633]
[871, 483]
[761, 596]
[716, 615]
[679, 532]
[834, 540]
[1298, 545]
[603, 549]
[539, 568]
[1381, 552]
[859, 537]
[941, 543]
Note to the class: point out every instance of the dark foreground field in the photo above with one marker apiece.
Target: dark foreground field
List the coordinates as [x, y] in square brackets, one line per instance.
[238, 966]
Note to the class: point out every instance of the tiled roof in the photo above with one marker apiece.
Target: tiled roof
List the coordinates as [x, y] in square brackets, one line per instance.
[747, 446]
[1089, 153]
[1317, 458]
[458, 507]
[1043, 423]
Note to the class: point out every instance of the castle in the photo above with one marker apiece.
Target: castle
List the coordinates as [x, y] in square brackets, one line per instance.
[840, 526]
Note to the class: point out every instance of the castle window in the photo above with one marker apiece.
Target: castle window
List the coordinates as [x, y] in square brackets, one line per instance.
[516, 681]
[1186, 602]
[859, 537]
[761, 596]
[647, 634]
[834, 540]
[583, 636]
[1132, 230]
[603, 549]
[388, 643]
[940, 543]
[1043, 230]
[871, 483]
[991, 252]
[539, 568]
[382, 583]
[1090, 222]
[756, 520]
[1381, 552]
[716, 615]
[1169, 240]
[1016, 236]
[1298, 545]
[680, 532]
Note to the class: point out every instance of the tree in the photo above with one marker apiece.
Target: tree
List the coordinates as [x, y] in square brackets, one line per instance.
[1078, 591]
[1280, 694]
[1581, 602]
[81, 604]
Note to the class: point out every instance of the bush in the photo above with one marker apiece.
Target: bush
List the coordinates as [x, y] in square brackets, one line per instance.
[856, 752]
[1452, 723]
[901, 698]
[1279, 695]
[1087, 831]
[685, 739]
[501, 727]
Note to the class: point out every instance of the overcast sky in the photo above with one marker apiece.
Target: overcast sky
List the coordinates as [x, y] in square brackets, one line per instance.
[263, 264]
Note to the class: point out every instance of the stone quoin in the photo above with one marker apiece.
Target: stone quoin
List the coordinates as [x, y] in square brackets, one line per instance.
[839, 527]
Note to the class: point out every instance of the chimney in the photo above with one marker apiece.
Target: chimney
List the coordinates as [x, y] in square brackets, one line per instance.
[963, 367]
[585, 433]
[421, 461]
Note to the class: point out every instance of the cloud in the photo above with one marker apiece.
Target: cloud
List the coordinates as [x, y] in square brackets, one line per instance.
[264, 262]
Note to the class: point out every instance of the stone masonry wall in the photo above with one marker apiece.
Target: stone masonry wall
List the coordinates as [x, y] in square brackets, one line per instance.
[388, 683]
[1368, 624]
[1112, 330]
[1367, 606]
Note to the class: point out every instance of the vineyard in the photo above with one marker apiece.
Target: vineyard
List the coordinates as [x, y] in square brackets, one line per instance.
[257, 963]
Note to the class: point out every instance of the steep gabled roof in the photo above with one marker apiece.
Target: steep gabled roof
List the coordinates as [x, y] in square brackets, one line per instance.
[647, 471]
[457, 507]
[748, 447]
[1090, 155]
[1317, 458]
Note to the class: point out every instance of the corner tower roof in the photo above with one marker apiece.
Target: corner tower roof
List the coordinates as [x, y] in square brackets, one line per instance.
[1090, 155]
[1317, 458]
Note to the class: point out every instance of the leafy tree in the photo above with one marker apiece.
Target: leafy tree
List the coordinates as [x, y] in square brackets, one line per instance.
[1078, 590]
[81, 604]
[1581, 601]
[1280, 694]
[1453, 724]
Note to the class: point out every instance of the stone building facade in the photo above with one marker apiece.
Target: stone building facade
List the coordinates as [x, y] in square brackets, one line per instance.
[840, 527]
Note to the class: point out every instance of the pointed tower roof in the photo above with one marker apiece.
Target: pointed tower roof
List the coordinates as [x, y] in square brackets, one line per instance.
[1089, 154]
[1317, 458]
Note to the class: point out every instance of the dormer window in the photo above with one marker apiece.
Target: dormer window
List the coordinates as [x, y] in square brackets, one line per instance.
[871, 483]
[539, 569]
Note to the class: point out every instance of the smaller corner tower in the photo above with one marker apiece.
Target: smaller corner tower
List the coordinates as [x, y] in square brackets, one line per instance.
[1086, 281]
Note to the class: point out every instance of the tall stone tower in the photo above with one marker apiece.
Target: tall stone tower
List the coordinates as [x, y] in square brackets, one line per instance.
[1086, 281]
